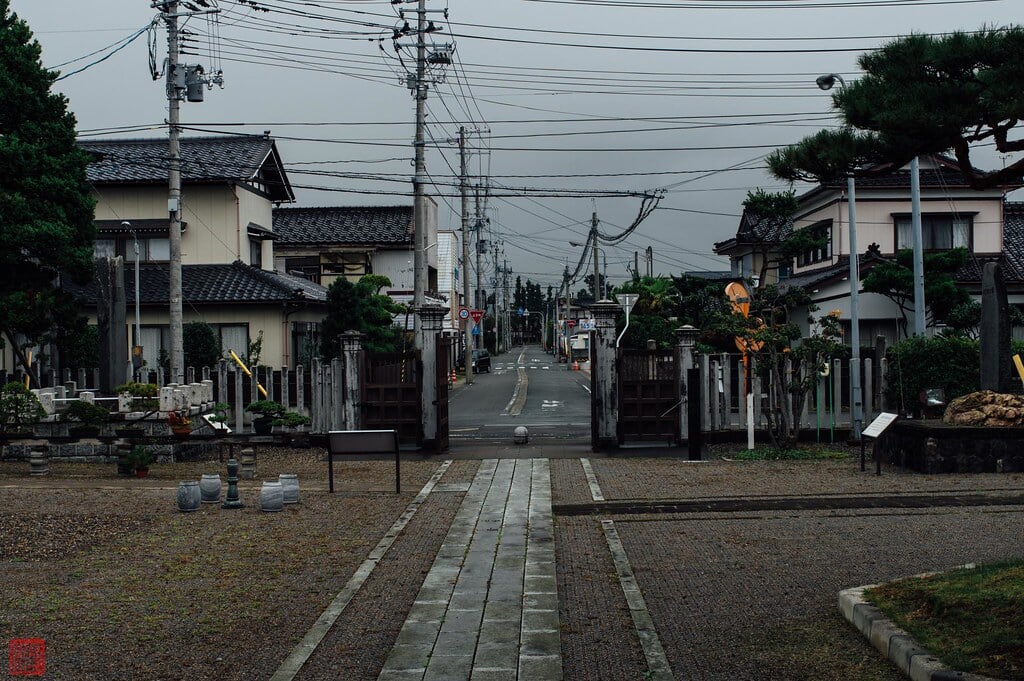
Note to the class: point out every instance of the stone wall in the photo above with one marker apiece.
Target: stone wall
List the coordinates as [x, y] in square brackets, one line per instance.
[936, 447]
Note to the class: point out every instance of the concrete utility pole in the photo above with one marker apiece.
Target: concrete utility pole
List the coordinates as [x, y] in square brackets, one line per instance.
[915, 222]
[597, 259]
[463, 190]
[419, 258]
[506, 309]
[498, 327]
[175, 87]
[481, 300]
[564, 326]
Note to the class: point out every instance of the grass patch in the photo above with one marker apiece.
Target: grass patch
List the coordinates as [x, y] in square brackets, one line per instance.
[799, 453]
[971, 619]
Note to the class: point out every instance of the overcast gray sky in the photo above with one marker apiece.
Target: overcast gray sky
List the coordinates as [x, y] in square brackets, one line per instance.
[568, 96]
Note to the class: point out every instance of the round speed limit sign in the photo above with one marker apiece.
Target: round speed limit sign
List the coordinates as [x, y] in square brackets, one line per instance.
[463, 313]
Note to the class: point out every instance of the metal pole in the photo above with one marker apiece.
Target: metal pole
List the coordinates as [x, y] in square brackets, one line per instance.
[463, 189]
[175, 86]
[419, 261]
[857, 403]
[563, 328]
[597, 261]
[915, 222]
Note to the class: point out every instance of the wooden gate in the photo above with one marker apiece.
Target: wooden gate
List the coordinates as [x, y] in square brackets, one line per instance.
[648, 389]
[390, 394]
[444, 348]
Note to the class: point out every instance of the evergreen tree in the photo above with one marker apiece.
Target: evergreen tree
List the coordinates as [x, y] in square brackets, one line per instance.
[46, 208]
[923, 94]
[360, 307]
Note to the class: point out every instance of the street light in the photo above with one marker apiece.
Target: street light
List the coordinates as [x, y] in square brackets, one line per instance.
[138, 324]
[826, 82]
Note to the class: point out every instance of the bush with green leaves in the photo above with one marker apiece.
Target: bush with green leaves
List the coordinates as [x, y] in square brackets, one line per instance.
[86, 413]
[19, 407]
[201, 345]
[952, 363]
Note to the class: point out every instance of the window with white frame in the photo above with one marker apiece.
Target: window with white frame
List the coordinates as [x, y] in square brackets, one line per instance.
[938, 232]
[234, 337]
[151, 249]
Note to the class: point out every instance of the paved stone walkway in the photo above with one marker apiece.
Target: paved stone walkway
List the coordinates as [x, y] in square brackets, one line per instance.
[488, 608]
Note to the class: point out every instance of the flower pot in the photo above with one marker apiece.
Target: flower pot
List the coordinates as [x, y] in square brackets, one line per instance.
[181, 431]
[141, 472]
[209, 486]
[271, 497]
[262, 425]
[290, 487]
[189, 496]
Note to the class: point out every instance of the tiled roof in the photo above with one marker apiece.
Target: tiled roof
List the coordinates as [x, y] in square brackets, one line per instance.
[1013, 236]
[344, 225]
[238, 158]
[755, 230]
[214, 284]
[819, 276]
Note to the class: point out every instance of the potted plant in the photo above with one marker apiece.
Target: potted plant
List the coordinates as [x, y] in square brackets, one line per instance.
[180, 423]
[87, 415]
[266, 411]
[19, 409]
[139, 459]
[144, 395]
[218, 419]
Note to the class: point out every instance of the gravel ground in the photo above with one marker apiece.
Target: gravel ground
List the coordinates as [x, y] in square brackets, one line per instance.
[122, 586]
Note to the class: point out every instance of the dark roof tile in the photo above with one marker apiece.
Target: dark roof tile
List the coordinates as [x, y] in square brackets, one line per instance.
[213, 284]
[344, 225]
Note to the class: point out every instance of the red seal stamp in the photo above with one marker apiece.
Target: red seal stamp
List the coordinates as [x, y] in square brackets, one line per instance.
[26, 657]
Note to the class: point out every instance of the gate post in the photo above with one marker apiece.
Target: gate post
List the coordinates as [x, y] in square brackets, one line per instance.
[351, 351]
[686, 339]
[605, 393]
[431, 317]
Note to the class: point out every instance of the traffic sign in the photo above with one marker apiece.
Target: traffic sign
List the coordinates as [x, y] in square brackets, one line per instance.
[476, 331]
[571, 323]
[477, 315]
[463, 313]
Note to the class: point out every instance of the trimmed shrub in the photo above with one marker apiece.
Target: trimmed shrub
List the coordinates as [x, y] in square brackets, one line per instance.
[952, 363]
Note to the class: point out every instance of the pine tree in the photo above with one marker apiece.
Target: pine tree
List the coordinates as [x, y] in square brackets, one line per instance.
[46, 207]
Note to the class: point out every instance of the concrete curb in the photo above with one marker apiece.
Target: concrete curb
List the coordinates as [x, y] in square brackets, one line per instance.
[895, 643]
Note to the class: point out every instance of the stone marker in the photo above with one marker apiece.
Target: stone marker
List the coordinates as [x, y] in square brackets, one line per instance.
[994, 330]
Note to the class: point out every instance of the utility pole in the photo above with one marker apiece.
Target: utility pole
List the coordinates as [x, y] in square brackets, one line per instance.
[498, 327]
[563, 328]
[463, 190]
[597, 260]
[481, 301]
[182, 79]
[507, 309]
[175, 87]
[419, 259]
[915, 222]
[650, 261]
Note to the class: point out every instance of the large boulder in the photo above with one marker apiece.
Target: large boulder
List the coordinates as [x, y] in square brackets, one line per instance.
[986, 409]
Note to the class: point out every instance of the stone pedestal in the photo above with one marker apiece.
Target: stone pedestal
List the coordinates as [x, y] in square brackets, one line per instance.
[248, 461]
[39, 460]
[351, 352]
[604, 386]
[431, 318]
[686, 340]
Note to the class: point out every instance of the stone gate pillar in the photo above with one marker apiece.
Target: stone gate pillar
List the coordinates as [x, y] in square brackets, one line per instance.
[351, 402]
[604, 385]
[686, 339]
[431, 318]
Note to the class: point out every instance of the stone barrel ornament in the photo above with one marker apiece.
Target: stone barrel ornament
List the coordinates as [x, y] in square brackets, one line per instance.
[209, 485]
[290, 486]
[189, 496]
[271, 496]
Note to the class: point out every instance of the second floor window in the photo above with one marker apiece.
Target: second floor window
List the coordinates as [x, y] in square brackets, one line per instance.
[821, 235]
[150, 249]
[255, 252]
[938, 232]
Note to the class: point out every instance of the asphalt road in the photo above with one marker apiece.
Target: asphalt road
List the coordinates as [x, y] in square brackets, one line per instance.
[526, 387]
